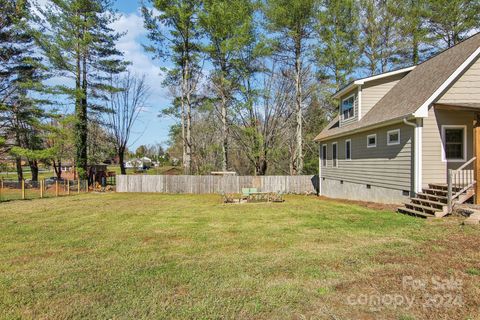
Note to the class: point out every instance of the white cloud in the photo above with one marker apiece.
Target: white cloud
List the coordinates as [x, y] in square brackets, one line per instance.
[150, 128]
[130, 44]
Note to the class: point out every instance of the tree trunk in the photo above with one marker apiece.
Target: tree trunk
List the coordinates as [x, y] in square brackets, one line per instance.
[18, 162]
[183, 123]
[81, 125]
[224, 135]
[57, 167]
[261, 167]
[298, 109]
[121, 157]
[34, 169]
[188, 160]
[415, 53]
[186, 119]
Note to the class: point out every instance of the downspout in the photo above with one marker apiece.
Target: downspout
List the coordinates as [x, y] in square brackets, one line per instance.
[417, 153]
[359, 107]
[319, 168]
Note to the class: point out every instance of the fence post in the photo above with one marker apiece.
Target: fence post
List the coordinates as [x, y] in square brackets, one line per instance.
[68, 187]
[56, 188]
[41, 188]
[78, 186]
[23, 189]
[449, 195]
[1, 188]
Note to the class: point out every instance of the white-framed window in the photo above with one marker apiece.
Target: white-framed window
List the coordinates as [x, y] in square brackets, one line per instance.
[393, 137]
[371, 140]
[454, 141]
[348, 107]
[324, 155]
[348, 149]
[335, 155]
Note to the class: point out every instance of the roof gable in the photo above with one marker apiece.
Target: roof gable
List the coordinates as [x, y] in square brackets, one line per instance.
[352, 85]
[417, 89]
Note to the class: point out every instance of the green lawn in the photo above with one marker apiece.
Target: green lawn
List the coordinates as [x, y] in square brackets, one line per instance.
[132, 256]
[27, 174]
[151, 171]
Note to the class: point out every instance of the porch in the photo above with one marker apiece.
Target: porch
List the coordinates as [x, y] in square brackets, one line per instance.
[451, 156]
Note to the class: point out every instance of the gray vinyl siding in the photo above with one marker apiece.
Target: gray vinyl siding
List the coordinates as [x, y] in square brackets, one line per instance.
[434, 168]
[373, 91]
[355, 108]
[382, 166]
[466, 89]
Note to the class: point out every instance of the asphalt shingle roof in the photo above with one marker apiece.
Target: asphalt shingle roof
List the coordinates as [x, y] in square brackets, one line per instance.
[412, 91]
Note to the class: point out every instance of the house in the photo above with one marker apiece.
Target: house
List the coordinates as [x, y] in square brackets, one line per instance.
[409, 133]
[67, 166]
[142, 163]
[146, 162]
[132, 163]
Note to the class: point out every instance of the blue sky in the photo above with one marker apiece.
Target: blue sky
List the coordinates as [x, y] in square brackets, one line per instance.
[150, 128]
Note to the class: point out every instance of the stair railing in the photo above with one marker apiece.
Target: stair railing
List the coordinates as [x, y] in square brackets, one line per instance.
[459, 181]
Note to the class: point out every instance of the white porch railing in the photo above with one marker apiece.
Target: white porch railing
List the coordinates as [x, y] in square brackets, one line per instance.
[459, 181]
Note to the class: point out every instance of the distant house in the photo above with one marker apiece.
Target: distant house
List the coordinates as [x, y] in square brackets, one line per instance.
[399, 133]
[67, 166]
[132, 163]
[142, 163]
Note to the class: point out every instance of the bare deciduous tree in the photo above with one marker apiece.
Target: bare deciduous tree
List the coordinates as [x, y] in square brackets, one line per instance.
[125, 107]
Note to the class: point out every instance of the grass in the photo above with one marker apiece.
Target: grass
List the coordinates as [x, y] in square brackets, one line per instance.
[151, 171]
[474, 271]
[183, 256]
[27, 174]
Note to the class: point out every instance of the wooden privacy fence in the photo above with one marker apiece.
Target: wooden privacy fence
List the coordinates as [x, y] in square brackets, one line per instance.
[216, 184]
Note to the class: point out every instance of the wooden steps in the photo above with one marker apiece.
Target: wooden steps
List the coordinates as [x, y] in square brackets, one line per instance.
[432, 201]
[414, 212]
[466, 195]
[429, 202]
[422, 208]
[440, 192]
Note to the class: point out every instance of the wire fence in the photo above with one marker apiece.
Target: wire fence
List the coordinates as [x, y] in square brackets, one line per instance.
[12, 189]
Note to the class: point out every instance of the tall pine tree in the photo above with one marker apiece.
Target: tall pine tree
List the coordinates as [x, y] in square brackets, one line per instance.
[80, 45]
[414, 43]
[292, 23]
[179, 44]
[450, 21]
[338, 51]
[227, 26]
[379, 36]
[21, 74]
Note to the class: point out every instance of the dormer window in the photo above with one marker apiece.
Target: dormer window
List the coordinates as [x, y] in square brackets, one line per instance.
[347, 107]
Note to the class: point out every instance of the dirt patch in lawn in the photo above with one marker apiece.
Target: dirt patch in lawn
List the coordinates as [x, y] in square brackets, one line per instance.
[365, 204]
[438, 280]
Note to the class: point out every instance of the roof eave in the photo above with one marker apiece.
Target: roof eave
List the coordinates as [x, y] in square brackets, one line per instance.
[366, 128]
[348, 88]
[422, 111]
[360, 82]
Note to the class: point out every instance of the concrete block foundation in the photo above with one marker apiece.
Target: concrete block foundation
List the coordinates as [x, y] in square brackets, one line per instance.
[362, 192]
